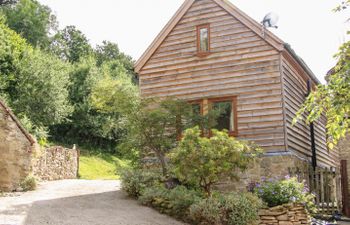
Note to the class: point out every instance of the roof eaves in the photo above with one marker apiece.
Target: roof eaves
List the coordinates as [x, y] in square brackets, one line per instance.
[301, 63]
[162, 35]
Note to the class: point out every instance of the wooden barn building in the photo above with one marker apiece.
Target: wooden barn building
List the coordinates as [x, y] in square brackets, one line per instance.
[212, 53]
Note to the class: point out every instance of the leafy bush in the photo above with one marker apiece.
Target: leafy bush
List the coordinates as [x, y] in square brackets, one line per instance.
[134, 181]
[227, 209]
[175, 202]
[279, 192]
[204, 161]
[29, 183]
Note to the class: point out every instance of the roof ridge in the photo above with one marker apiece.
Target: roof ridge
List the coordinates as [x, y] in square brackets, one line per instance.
[18, 123]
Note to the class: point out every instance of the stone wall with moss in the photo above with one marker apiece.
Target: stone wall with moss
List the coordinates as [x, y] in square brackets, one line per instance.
[15, 153]
[55, 163]
[21, 156]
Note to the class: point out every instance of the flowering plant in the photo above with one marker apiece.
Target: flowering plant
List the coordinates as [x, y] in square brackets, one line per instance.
[279, 192]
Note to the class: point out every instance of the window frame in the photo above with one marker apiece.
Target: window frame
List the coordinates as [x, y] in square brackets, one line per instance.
[199, 52]
[199, 102]
[233, 99]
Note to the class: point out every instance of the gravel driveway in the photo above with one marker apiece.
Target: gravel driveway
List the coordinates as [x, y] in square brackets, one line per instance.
[78, 202]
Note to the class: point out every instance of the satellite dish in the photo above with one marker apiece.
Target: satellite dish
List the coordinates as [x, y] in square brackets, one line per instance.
[270, 20]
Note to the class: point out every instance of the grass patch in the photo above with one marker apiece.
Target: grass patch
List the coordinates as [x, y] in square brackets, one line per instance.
[95, 164]
[100, 166]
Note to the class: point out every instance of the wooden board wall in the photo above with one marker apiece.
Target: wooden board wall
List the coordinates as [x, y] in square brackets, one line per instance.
[298, 136]
[241, 64]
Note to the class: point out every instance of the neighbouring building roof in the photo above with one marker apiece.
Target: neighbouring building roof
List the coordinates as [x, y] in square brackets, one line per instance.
[268, 36]
[18, 123]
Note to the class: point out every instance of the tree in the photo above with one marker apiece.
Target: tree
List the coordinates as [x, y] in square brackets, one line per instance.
[109, 52]
[40, 89]
[31, 20]
[34, 83]
[344, 5]
[333, 98]
[88, 125]
[70, 44]
[203, 161]
[12, 50]
[7, 2]
[152, 126]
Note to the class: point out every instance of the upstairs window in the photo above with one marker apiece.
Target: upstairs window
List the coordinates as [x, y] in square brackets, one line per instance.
[203, 39]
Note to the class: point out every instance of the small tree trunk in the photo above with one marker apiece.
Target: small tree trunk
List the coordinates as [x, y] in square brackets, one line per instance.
[163, 163]
[206, 187]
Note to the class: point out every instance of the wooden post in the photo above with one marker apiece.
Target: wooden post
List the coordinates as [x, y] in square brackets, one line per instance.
[345, 188]
[78, 158]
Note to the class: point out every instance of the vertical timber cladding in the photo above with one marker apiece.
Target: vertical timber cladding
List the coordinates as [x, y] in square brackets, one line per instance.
[298, 136]
[240, 64]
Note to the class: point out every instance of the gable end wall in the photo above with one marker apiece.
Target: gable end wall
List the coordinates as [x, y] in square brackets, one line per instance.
[241, 64]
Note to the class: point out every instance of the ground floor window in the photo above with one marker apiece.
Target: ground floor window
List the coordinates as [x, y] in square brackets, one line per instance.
[223, 113]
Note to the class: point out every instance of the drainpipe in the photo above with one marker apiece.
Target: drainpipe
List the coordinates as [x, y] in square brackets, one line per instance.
[312, 133]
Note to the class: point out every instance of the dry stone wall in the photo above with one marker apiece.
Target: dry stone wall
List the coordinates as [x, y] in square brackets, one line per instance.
[56, 163]
[290, 214]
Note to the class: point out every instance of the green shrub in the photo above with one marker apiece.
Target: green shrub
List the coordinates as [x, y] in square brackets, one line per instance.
[204, 161]
[279, 192]
[134, 181]
[227, 209]
[29, 183]
[175, 202]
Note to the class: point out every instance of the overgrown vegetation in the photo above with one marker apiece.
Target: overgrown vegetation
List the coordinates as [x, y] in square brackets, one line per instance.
[47, 77]
[197, 164]
[202, 162]
[175, 202]
[279, 192]
[135, 181]
[227, 209]
[29, 183]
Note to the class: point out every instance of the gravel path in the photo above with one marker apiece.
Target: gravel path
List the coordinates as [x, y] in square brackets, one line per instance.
[78, 202]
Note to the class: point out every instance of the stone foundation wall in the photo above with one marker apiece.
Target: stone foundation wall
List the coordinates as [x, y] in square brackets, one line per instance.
[290, 214]
[56, 163]
[268, 166]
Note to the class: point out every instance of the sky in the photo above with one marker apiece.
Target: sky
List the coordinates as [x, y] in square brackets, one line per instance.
[310, 26]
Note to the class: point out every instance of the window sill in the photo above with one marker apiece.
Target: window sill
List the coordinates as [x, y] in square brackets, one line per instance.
[203, 54]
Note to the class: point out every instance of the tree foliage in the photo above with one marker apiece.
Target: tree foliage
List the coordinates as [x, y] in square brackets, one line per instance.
[31, 20]
[203, 161]
[87, 124]
[40, 89]
[48, 78]
[70, 44]
[342, 6]
[333, 98]
[7, 2]
[109, 52]
[33, 82]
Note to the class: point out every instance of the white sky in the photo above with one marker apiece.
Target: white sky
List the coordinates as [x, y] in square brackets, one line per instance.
[310, 26]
